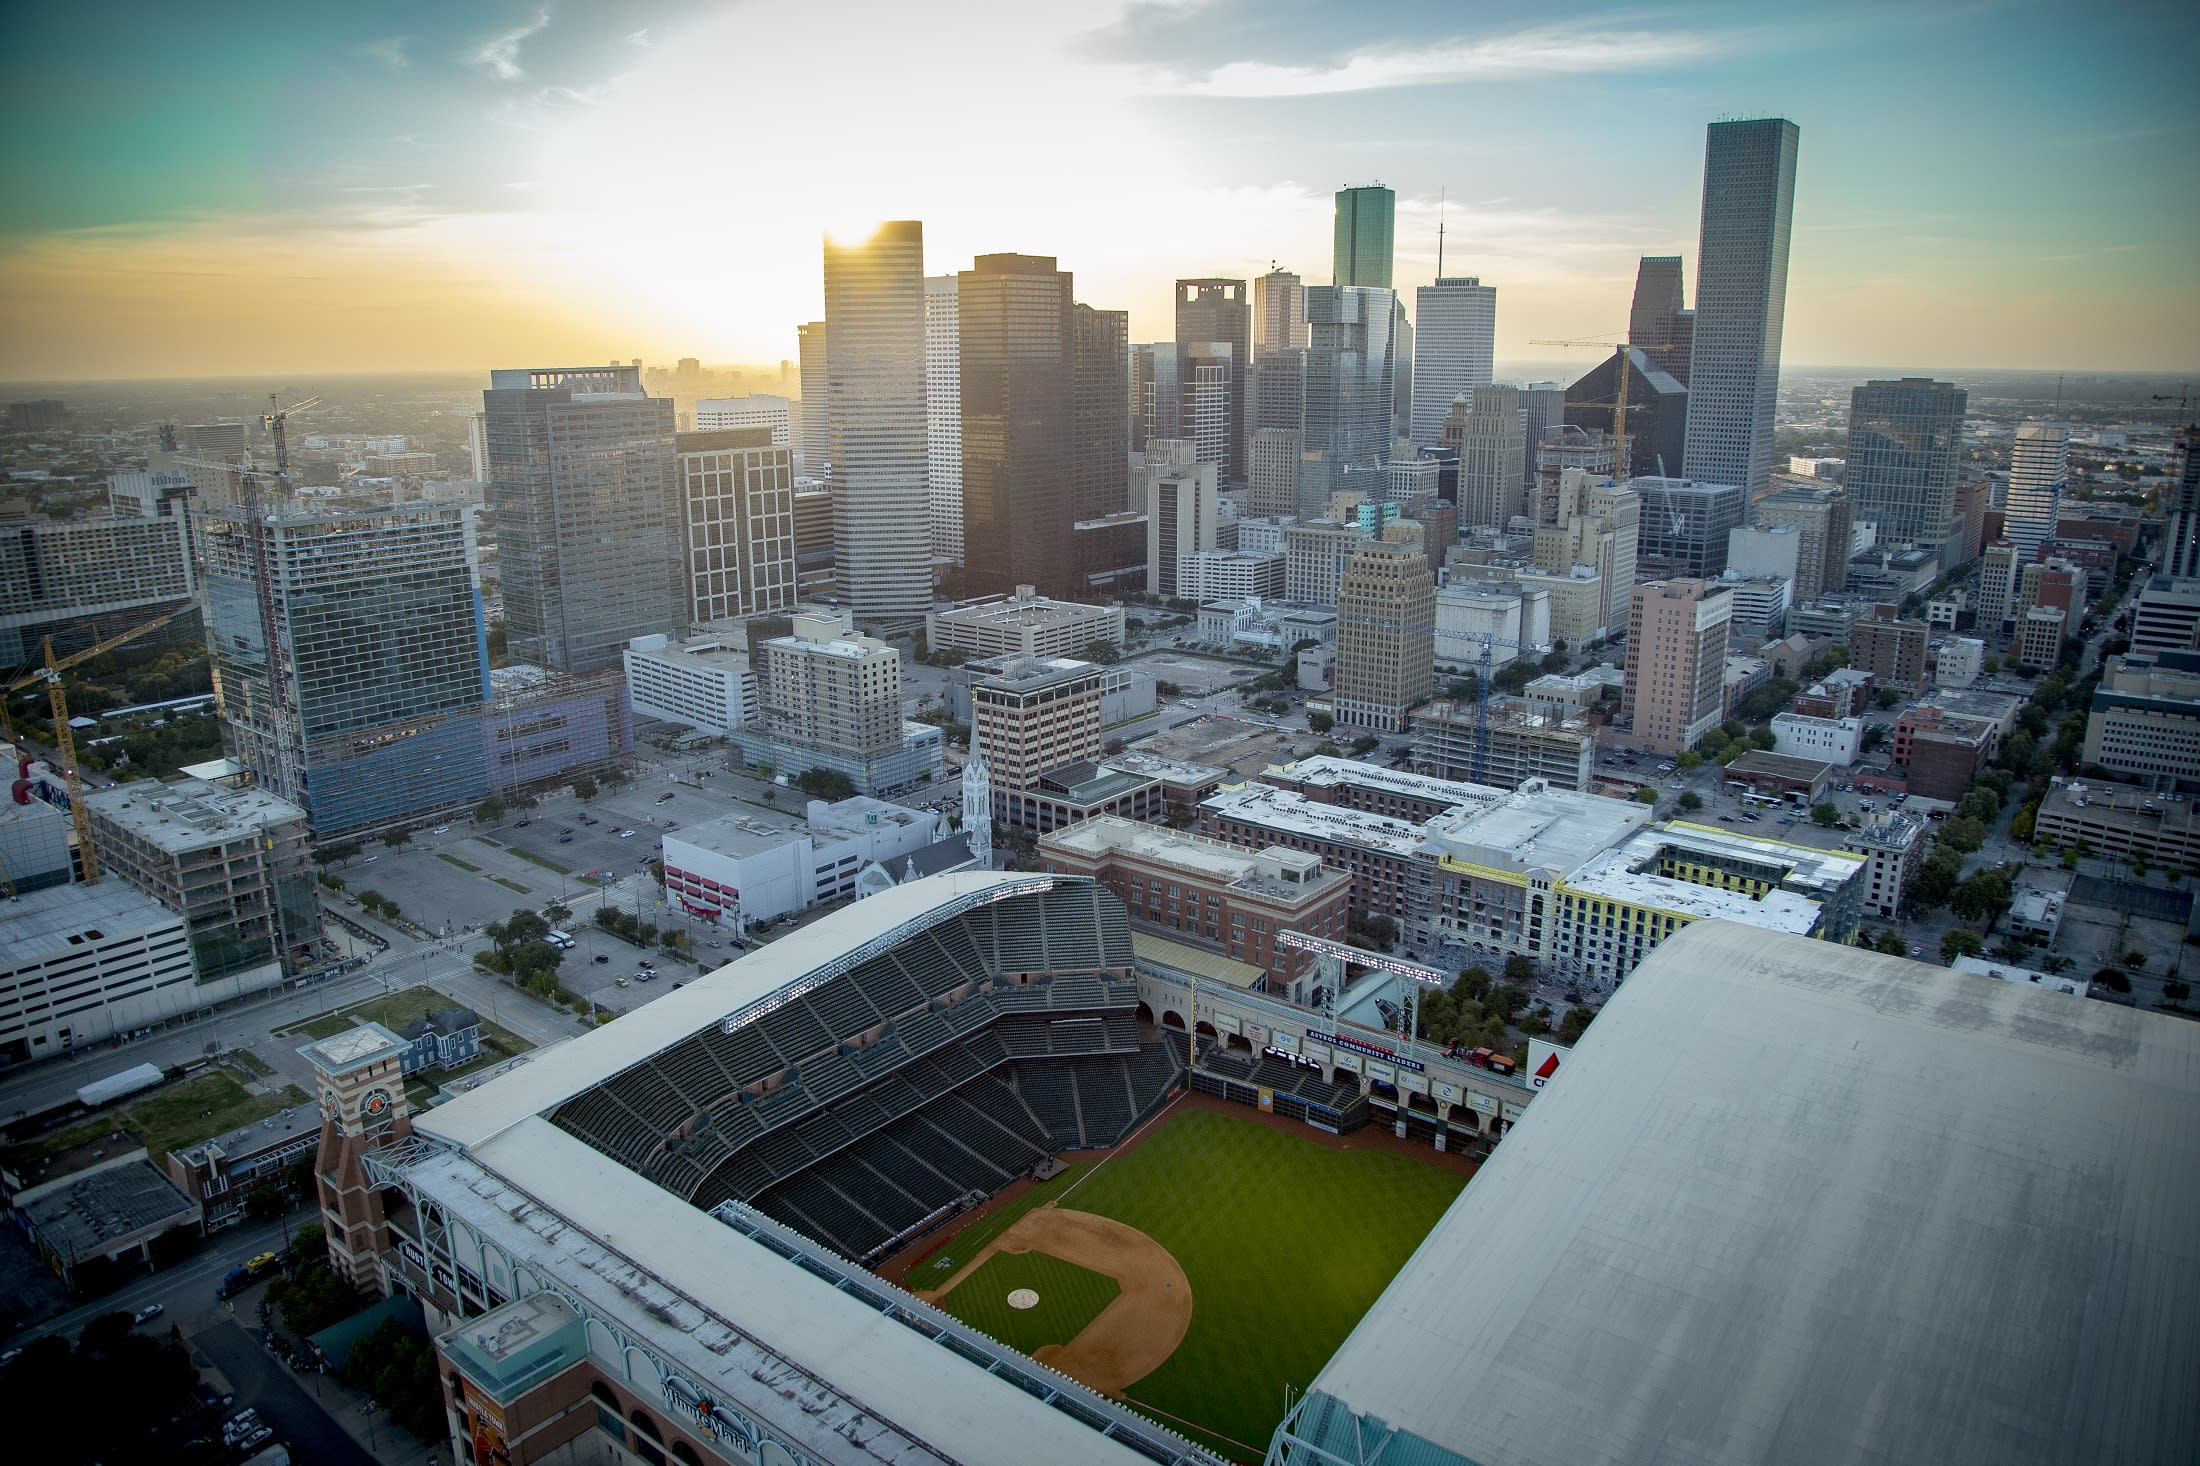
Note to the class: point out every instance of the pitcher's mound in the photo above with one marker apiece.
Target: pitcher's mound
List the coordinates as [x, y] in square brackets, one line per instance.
[1022, 1298]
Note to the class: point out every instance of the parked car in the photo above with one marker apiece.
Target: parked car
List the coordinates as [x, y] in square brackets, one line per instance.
[643, 974]
[645, 962]
[626, 834]
[565, 839]
[148, 1313]
[664, 797]
[440, 830]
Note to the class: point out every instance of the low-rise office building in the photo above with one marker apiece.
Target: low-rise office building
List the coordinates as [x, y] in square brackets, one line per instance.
[1826, 740]
[219, 1174]
[1023, 624]
[82, 964]
[2145, 719]
[2119, 822]
[1209, 893]
[739, 869]
[1379, 852]
[704, 682]
[1352, 784]
[87, 1220]
[1264, 625]
[1960, 662]
[1940, 753]
[1780, 776]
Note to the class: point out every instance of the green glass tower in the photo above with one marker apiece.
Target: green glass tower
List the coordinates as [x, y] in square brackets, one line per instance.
[1367, 219]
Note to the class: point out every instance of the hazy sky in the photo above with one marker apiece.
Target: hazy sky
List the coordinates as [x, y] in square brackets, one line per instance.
[226, 188]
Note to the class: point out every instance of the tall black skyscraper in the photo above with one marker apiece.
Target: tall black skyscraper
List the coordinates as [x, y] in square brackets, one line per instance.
[1018, 387]
[1217, 312]
[1741, 300]
[1100, 411]
[1659, 324]
[2181, 524]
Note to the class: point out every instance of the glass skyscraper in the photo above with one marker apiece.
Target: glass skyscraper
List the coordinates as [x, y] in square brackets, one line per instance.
[2039, 468]
[585, 486]
[1741, 300]
[874, 319]
[1351, 384]
[350, 657]
[1017, 384]
[1905, 442]
[1366, 223]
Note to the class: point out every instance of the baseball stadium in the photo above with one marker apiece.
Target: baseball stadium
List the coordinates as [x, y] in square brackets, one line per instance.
[958, 1173]
[950, 1106]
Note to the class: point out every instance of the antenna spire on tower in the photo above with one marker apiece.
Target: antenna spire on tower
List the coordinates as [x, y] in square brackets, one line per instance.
[1442, 195]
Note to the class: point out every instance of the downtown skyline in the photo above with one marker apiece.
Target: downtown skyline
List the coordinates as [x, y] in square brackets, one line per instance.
[412, 189]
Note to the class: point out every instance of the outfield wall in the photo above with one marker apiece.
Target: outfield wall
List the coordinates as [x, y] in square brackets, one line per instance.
[1422, 1083]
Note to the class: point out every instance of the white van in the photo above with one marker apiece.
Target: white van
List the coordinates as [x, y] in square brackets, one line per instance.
[562, 940]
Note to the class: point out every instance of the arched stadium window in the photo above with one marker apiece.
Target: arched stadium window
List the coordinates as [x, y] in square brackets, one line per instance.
[646, 1438]
[605, 1393]
[682, 1451]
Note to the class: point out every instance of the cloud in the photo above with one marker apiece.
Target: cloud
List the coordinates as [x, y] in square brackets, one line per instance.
[500, 54]
[390, 51]
[638, 38]
[1543, 51]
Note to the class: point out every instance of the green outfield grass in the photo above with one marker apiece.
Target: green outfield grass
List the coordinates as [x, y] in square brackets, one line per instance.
[1286, 1244]
[1069, 1298]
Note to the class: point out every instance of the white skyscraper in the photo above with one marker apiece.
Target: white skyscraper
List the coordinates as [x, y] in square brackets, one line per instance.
[757, 410]
[943, 416]
[1454, 350]
[874, 318]
[1741, 300]
[2039, 466]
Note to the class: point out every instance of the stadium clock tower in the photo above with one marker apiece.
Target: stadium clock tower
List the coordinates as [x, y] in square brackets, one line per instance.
[362, 1093]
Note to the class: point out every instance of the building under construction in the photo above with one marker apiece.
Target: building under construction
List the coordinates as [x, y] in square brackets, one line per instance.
[351, 666]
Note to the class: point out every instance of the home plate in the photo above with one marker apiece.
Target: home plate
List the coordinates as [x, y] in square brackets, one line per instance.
[1023, 1298]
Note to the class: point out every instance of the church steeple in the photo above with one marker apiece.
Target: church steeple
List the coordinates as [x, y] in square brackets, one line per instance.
[978, 807]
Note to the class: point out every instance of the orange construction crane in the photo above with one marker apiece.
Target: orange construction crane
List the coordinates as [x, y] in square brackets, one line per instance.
[64, 741]
[1619, 350]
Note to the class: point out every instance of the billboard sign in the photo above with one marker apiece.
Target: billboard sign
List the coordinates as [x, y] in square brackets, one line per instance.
[1544, 1061]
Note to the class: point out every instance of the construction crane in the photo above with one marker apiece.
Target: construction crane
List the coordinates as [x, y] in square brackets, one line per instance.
[64, 741]
[1619, 350]
[273, 420]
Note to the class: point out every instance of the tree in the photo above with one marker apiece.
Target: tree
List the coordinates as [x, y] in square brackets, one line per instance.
[1462, 688]
[1646, 795]
[265, 1203]
[1960, 942]
[1365, 744]
[1689, 760]
[1890, 942]
[1514, 677]
[1981, 897]
[2114, 979]
[1886, 697]
[398, 1370]
[333, 854]
[1980, 804]
[584, 788]
[1575, 1024]
[395, 838]
[1519, 969]
[827, 784]
[1473, 984]
[1825, 814]
[1763, 738]
[1691, 801]
[2176, 990]
[490, 810]
[1181, 816]
[1965, 835]
[1102, 651]
[2139, 863]
[1320, 722]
